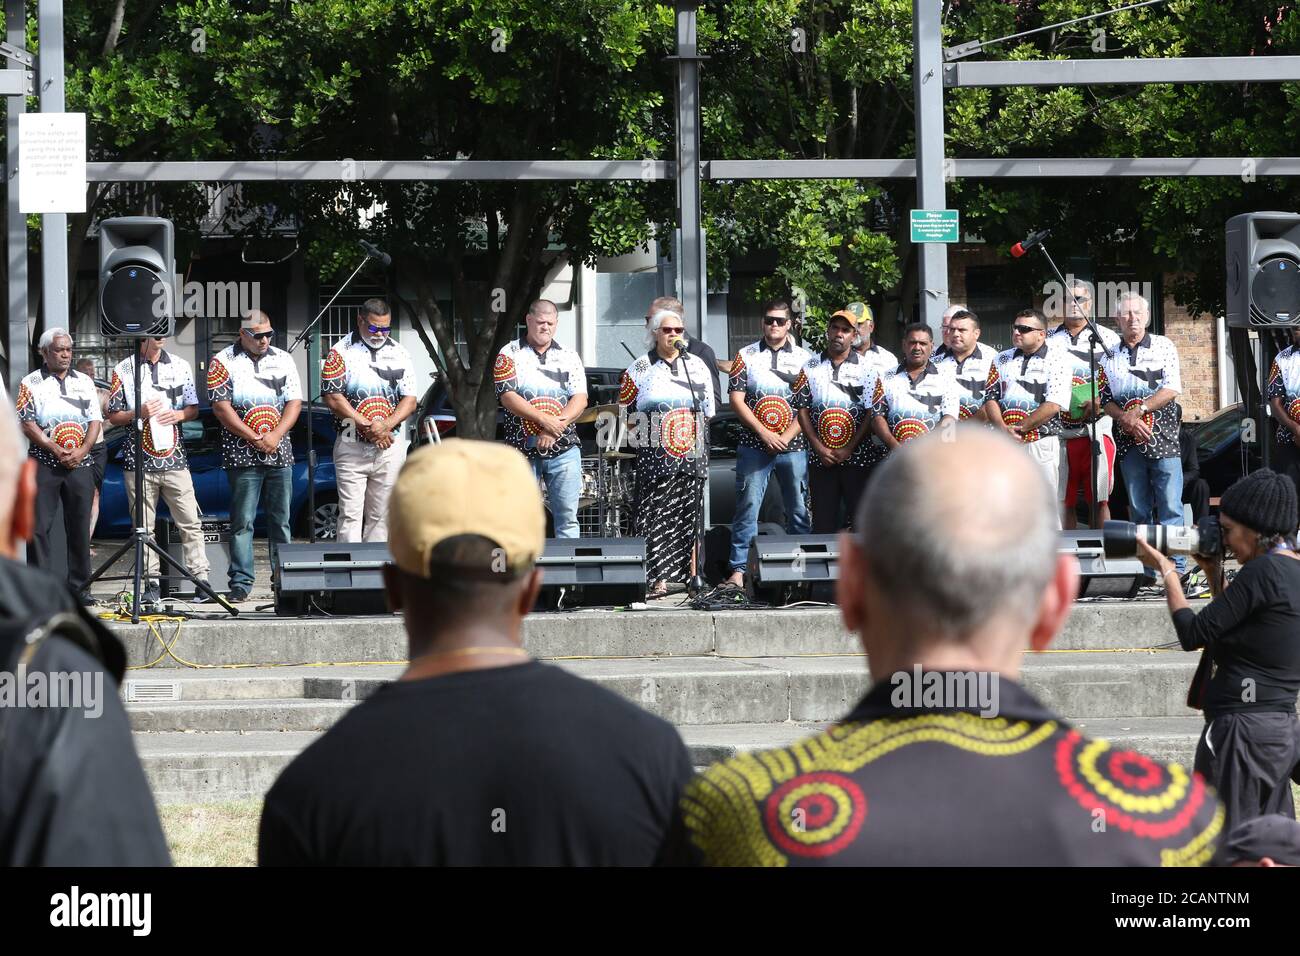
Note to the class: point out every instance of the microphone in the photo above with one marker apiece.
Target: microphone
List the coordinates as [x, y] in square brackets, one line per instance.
[679, 345]
[1024, 245]
[374, 252]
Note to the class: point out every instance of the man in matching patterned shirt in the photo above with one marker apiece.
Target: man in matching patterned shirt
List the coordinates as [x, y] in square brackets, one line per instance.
[368, 385]
[1284, 399]
[1028, 386]
[59, 410]
[256, 395]
[1140, 392]
[170, 397]
[968, 359]
[832, 396]
[543, 388]
[762, 380]
[916, 397]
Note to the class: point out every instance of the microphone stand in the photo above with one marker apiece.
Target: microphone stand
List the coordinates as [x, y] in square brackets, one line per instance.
[696, 584]
[1092, 377]
[306, 336]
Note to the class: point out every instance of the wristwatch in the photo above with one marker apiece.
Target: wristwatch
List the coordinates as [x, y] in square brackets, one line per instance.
[1144, 408]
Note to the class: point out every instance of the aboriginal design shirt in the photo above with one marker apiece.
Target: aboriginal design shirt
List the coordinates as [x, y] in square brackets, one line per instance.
[63, 408]
[913, 408]
[1284, 383]
[170, 379]
[1076, 348]
[876, 789]
[373, 380]
[659, 398]
[879, 358]
[1134, 375]
[258, 389]
[838, 400]
[971, 375]
[767, 378]
[1019, 383]
[546, 380]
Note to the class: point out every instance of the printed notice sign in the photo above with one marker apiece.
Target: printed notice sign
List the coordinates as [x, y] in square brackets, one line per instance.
[52, 162]
[934, 225]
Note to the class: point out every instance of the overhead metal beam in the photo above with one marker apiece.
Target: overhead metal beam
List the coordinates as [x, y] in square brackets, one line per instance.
[1232, 166]
[349, 170]
[811, 169]
[15, 82]
[1111, 72]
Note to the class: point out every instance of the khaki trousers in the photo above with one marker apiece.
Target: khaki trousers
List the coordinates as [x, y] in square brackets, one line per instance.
[177, 489]
[364, 475]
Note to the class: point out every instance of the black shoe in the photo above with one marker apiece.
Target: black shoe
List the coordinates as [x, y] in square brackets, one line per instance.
[86, 598]
[150, 596]
[199, 596]
[237, 595]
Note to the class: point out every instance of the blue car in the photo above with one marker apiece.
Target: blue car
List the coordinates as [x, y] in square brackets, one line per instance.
[202, 439]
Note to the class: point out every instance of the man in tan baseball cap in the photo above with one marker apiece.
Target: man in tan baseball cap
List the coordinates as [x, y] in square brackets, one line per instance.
[478, 754]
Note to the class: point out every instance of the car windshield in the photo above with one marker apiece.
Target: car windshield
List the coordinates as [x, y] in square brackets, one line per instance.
[1220, 429]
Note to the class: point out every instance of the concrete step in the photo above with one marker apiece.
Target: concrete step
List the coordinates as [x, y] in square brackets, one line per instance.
[238, 716]
[226, 766]
[267, 639]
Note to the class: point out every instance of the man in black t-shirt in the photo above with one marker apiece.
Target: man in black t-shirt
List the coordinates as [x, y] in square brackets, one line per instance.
[478, 755]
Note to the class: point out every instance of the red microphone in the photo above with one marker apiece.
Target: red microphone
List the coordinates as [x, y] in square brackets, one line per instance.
[1020, 248]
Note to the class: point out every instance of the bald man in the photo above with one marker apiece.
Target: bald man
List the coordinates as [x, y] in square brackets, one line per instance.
[948, 760]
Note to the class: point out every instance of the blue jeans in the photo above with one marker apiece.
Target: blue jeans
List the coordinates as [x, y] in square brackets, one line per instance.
[754, 468]
[1155, 492]
[246, 487]
[563, 477]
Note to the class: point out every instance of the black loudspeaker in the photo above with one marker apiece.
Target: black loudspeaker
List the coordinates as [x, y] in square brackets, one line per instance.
[136, 277]
[216, 544]
[331, 578]
[785, 567]
[1263, 269]
[592, 572]
[1100, 576]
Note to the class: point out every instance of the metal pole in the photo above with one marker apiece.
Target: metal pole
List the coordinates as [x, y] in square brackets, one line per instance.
[16, 232]
[691, 279]
[927, 80]
[54, 226]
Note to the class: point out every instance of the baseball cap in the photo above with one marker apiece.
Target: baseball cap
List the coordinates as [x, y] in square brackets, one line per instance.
[856, 313]
[1275, 837]
[465, 487]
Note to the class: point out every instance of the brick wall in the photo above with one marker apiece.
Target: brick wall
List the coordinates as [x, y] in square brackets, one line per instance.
[1197, 357]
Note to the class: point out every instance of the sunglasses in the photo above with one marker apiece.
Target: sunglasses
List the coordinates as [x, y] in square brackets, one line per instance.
[259, 335]
[775, 319]
[671, 331]
[1026, 329]
[380, 329]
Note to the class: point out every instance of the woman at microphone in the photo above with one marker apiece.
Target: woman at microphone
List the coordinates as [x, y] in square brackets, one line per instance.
[667, 398]
[1249, 637]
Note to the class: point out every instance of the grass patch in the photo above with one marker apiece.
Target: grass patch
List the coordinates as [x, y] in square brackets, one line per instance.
[212, 834]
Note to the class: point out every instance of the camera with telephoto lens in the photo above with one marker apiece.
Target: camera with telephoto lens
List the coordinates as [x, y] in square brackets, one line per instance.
[1119, 538]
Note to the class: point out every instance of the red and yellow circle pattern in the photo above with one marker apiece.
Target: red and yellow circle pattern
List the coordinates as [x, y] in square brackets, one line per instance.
[1014, 416]
[217, 375]
[547, 404]
[503, 370]
[146, 442]
[24, 397]
[375, 408]
[835, 428]
[627, 389]
[677, 432]
[815, 814]
[905, 429]
[774, 413]
[1066, 417]
[1149, 419]
[262, 418]
[69, 435]
[1294, 409]
[335, 367]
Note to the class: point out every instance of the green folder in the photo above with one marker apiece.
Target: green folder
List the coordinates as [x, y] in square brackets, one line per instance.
[1079, 395]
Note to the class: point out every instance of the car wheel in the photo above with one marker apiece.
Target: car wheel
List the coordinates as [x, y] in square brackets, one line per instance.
[325, 521]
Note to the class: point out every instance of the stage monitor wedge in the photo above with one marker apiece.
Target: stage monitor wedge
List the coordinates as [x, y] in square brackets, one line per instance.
[786, 567]
[1100, 576]
[587, 572]
[329, 578]
[1263, 270]
[137, 294]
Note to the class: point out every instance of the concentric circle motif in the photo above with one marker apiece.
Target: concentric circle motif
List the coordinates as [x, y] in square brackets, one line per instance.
[626, 390]
[966, 411]
[115, 386]
[774, 412]
[376, 407]
[677, 432]
[69, 435]
[835, 428]
[905, 429]
[217, 375]
[1149, 419]
[816, 814]
[1294, 409]
[334, 367]
[1065, 412]
[547, 404]
[1148, 799]
[146, 442]
[504, 369]
[1014, 416]
[262, 418]
[24, 397]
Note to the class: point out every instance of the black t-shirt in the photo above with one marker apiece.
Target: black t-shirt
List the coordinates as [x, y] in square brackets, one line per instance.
[519, 765]
[710, 358]
[1252, 633]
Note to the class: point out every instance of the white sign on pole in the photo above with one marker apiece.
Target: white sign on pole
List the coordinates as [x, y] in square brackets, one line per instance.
[51, 162]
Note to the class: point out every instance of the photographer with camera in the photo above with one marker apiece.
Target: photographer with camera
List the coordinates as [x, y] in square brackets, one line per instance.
[1249, 674]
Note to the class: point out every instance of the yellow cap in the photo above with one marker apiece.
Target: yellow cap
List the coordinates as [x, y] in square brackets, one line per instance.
[856, 313]
[465, 487]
